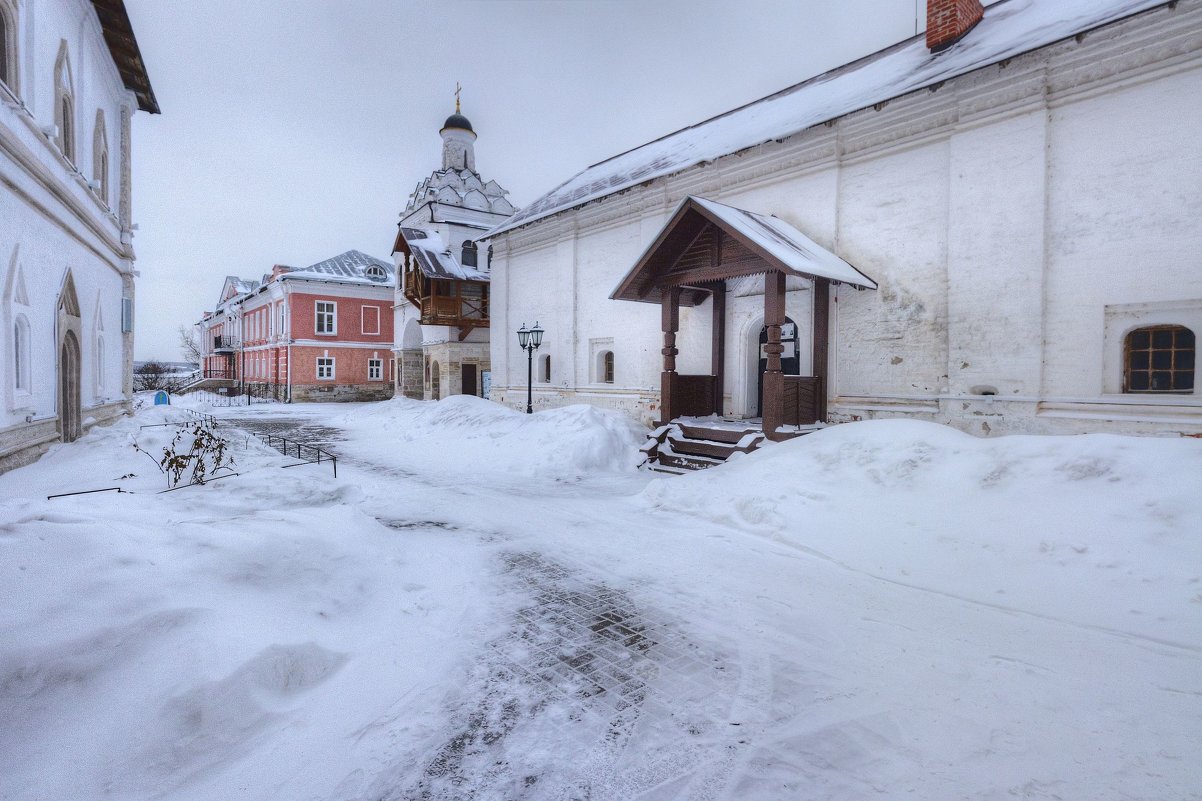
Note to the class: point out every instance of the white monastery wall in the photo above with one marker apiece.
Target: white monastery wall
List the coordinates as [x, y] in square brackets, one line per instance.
[57, 218]
[1019, 221]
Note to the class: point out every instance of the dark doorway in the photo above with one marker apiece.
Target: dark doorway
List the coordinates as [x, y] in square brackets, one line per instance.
[790, 360]
[469, 379]
[68, 388]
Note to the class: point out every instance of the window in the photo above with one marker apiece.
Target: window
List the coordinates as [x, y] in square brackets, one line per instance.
[376, 273]
[127, 315]
[281, 319]
[371, 319]
[8, 46]
[469, 254]
[1159, 358]
[64, 104]
[605, 367]
[325, 368]
[375, 369]
[21, 354]
[327, 320]
[100, 158]
[544, 368]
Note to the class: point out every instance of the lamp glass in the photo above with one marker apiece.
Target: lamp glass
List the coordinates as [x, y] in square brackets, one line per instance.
[536, 334]
[523, 336]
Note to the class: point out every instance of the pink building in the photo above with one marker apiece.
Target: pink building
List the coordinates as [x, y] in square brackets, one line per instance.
[322, 332]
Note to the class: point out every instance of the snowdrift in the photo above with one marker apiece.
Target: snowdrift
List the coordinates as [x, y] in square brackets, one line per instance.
[1098, 530]
[468, 434]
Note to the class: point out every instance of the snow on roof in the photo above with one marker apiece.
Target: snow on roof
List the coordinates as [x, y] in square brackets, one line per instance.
[352, 267]
[1008, 29]
[435, 258]
[791, 247]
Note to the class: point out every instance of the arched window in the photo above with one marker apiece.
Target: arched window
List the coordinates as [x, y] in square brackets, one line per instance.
[544, 368]
[605, 367]
[100, 365]
[100, 158]
[8, 46]
[1159, 358]
[469, 254]
[21, 354]
[64, 104]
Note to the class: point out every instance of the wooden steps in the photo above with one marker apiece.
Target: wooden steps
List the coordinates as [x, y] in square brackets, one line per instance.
[679, 446]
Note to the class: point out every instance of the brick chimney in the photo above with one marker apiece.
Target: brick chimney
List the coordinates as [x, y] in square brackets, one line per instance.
[949, 20]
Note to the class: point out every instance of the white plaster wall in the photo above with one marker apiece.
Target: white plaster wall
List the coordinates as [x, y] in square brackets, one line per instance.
[54, 222]
[1125, 200]
[1018, 221]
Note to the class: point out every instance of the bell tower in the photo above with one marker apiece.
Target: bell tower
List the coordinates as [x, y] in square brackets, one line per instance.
[458, 152]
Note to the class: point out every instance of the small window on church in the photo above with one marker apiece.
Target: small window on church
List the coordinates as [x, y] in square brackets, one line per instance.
[469, 254]
[605, 367]
[544, 368]
[1159, 358]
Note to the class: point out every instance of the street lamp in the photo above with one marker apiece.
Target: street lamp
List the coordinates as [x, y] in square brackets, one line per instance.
[528, 340]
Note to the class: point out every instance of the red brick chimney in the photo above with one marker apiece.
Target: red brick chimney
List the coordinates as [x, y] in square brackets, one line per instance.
[949, 20]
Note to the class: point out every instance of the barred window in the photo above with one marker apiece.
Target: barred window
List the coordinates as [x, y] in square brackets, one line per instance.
[1159, 358]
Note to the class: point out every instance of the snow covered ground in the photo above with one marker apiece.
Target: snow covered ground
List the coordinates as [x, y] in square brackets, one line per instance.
[491, 605]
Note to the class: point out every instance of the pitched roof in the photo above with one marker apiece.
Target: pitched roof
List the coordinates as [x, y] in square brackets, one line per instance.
[119, 35]
[1008, 29]
[793, 249]
[435, 259]
[686, 253]
[348, 268]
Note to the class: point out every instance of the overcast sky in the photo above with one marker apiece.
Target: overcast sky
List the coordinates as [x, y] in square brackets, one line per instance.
[294, 131]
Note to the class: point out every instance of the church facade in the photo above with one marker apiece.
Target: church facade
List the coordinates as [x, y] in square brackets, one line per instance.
[443, 291]
[71, 79]
[1015, 195]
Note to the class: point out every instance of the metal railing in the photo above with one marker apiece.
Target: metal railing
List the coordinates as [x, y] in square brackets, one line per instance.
[310, 454]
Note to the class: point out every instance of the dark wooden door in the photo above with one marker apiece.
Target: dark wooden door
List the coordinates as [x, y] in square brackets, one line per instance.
[790, 360]
[469, 379]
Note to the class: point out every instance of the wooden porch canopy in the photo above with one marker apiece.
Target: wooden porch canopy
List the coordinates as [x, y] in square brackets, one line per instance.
[701, 247]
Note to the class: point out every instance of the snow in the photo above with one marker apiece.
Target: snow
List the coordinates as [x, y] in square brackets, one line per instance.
[788, 245]
[435, 257]
[486, 604]
[1008, 29]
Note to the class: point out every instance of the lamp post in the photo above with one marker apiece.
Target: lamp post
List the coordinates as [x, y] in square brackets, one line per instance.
[528, 340]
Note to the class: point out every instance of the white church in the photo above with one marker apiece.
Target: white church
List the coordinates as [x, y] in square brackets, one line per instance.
[71, 79]
[442, 307]
[993, 225]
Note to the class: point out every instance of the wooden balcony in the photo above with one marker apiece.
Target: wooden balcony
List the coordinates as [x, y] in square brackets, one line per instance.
[463, 304]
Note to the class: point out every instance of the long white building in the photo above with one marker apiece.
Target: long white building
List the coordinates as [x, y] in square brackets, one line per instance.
[1015, 195]
[71, 78]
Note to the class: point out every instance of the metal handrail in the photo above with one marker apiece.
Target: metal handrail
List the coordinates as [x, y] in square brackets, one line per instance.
[287, 447]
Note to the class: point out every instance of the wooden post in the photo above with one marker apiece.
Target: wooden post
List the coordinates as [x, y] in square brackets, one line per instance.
[718, 359]
[670, 323]
[821, 317]
[774, 380]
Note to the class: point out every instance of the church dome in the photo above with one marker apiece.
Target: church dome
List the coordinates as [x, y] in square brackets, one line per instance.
[457, 120]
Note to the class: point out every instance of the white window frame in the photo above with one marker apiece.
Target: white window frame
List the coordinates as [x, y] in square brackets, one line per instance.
[282, 314]
[319, 314]
[321, 368]
[363, 320]
[375, 369]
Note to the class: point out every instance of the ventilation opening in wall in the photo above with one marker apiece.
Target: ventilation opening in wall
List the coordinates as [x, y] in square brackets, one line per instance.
[983, 389]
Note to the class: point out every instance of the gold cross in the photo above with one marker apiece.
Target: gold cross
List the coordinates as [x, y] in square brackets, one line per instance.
[458, 88]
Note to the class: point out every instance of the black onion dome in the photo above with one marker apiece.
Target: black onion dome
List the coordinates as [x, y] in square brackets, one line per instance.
[457, 120]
